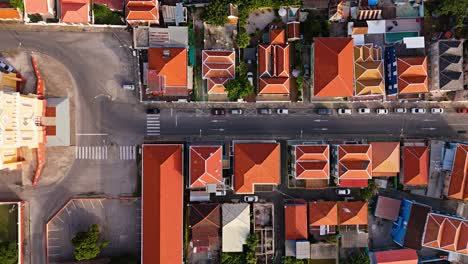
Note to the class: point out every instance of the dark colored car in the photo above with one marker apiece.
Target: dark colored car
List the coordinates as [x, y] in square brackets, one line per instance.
[324, 111]
[218, 111]
[462, 110]
[152, 111]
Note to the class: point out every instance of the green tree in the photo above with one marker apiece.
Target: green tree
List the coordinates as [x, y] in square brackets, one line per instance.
[232, 258]
[454, 8]
[292, 260]
[9, 252]
[17, 4]
[216, 12]
[87, 244]
[359, 258]
[239, 87]
[242, 39]
[369, 191]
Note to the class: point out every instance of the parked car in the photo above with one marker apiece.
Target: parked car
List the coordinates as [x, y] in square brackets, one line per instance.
[382, 111]
[282, 111]
[152, 111]
[250, 198]
[343, 191]
[129, 87]
[462, 110]
[344, 111]
[264, 111]
[364, 111]
[250, 78]
[218, 111]
[324, 111]
[237, 111]
[4, 67]
[400, 110]
[437, 110]
[418, 110]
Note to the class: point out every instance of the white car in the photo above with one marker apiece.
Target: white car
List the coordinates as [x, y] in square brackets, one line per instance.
[129, 87]
[364, 111]
[400, 110]
[382, 111]
[343, 191]
[250, 78]
[250, 199]
[282, 111]
[344, 111]
[236, 111]
[418, 110]
[437, 110]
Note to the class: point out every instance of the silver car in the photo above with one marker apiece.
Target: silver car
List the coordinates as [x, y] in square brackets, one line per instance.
[418, 110]
[400, 110]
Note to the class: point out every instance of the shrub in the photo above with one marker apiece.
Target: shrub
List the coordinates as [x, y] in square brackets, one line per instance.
[87, 244]
[34, 18]
[9, 252]
[105, 16]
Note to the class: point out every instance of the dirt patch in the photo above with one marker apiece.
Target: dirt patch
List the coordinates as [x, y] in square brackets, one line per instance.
[59, 161]
[259, 19]
[21, 61]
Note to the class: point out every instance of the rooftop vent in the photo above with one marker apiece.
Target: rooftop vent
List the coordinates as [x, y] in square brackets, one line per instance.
[166, 53]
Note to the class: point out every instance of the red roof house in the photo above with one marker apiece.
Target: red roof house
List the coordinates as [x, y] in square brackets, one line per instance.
[387, 208]
[142, 12]
[37, 7]
[296, 221]
[312, 162]
[205, 224]
[446, 233]
[167, 71]
[354, 165]
[218, 67]
[293, 30]
[412, 75]
[352, 213]
[7, 12]
[162, 204]
[75, 11]
[385, 158]
[255, 164]
[333, 70]
[205, 165]
[397, 256]
[323, 213]
[415, 165]
[458, 186]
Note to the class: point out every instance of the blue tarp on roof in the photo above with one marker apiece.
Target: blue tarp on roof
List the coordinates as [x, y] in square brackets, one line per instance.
[399, 226]
[372, 2]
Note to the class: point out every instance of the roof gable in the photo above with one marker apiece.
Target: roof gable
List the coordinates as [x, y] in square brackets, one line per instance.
[171, 68]
[445, 233]
[205, 223]
[75, 11]
[352, 213]
[296, 221]
[205, 165]
[415, 161]
[142, 11]
[385, 158]
[354, 161]
[323, 213]
[398, 256]
[412, 75]
[458, 186]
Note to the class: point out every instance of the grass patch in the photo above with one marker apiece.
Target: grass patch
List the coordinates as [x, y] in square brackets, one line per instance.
[105, 16]
[8, 222]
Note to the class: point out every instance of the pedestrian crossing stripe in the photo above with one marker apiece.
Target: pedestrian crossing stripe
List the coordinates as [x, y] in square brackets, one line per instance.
[127, 152]
[91, 152]
[152, 125]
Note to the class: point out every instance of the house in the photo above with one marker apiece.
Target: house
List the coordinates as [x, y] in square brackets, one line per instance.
[8, 12]
[354, 166]
[448, 59]
[412, 75]
[447, 233]
[162, 204]
[205, 226]
[385, 159]
[236, 226]
[368, 70]
[218, 67]
[415, 165]
[408, 229]
[294, 30]
[458, 181]
[312, 164]
[323, 218]
[42, 7]
[296, 220]
[256, 164]
[387, 208]
[352, 221]
[274, 68]
[333, 67]
[57, 118]
[75, 11]
[206, 166]
[174, 15]
[395, 256]
[142, 12]
[167, 71]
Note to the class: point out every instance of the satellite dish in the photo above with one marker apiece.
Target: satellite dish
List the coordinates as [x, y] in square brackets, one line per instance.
[282, 12]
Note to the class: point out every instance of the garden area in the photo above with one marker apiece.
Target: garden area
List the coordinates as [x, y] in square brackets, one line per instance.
[105, 16]
[446, 15]
[9, 233]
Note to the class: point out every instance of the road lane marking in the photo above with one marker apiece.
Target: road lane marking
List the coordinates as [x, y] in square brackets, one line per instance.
[91, 134]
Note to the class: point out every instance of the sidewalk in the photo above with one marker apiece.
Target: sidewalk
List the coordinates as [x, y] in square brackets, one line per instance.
[57, 27]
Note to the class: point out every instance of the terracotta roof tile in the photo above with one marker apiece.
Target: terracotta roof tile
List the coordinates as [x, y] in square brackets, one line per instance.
[273, 69]
[273, 86]
[354, 162]
[293, 30]
[458, 187]
[205, 165]
[352, 213]
[277, 36]
[368, 70]
[296, 221]
[385, 158]
[36, 6]
[217, 85]
[323, 213]
[445, 233]
[398, 256]
[142, 11]
[171, 68]
[312, 162]
[412, 75]
[75, 11]
[333, 68]
[218, 67]
[387, 208]
[415, 163]
[255, 163]
[205, 224]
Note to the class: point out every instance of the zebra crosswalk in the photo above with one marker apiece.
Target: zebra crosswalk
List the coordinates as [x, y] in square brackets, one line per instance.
[91, 152]
[152, 125]
[127, 152]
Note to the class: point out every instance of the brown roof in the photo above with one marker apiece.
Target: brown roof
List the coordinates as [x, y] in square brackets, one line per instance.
[385, 158]
[352, 213]
[255, 163]
[145, 11]
[412, 75]
[323, 213]
[169, 64]
[296, 221]
[293, 30]
[354, 161]
[312, 162]
[387, 208]
[205, 165]
[277, 36]
[414, 227]
[446, 233]
[415, 161]
[205, 223]
[162, 204]
[396, 256]
[458, 187]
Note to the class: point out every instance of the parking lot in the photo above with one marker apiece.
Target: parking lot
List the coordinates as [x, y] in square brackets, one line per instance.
[119, 221]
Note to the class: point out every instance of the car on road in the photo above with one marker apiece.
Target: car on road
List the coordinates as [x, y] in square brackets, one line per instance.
[344, 111]
[218, 111]
[250, 198]
[152, 111]
[343, 191]
[237, 111]
[282, 111]
[400, 110]
[250, 78]
[4, 67]
[462, 110]
[382, 111]
[265, 111]
[364, 111]
[416, 110]
[437, 110]
[129, 87]
[324, 111]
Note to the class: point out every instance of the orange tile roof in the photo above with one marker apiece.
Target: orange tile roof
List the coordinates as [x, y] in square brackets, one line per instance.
[446, 233]
[145, 11]
[171, 68]
[354, 161]
[255, 163]
[412, 75]
[385, 158]
[296, 221]
[205, 165]
[9, 13]
[368, 70]
[312, 162]
[218, 66]
[216, 85]
[333, 68]
[162, 204]
[415, 161]
[277, 36]
[273, 85]
[352, 213]
[75, 11]
[398, 256]
[273, 69]
[458, 187]
[323, 213]
[293, 30]
[36, 6]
